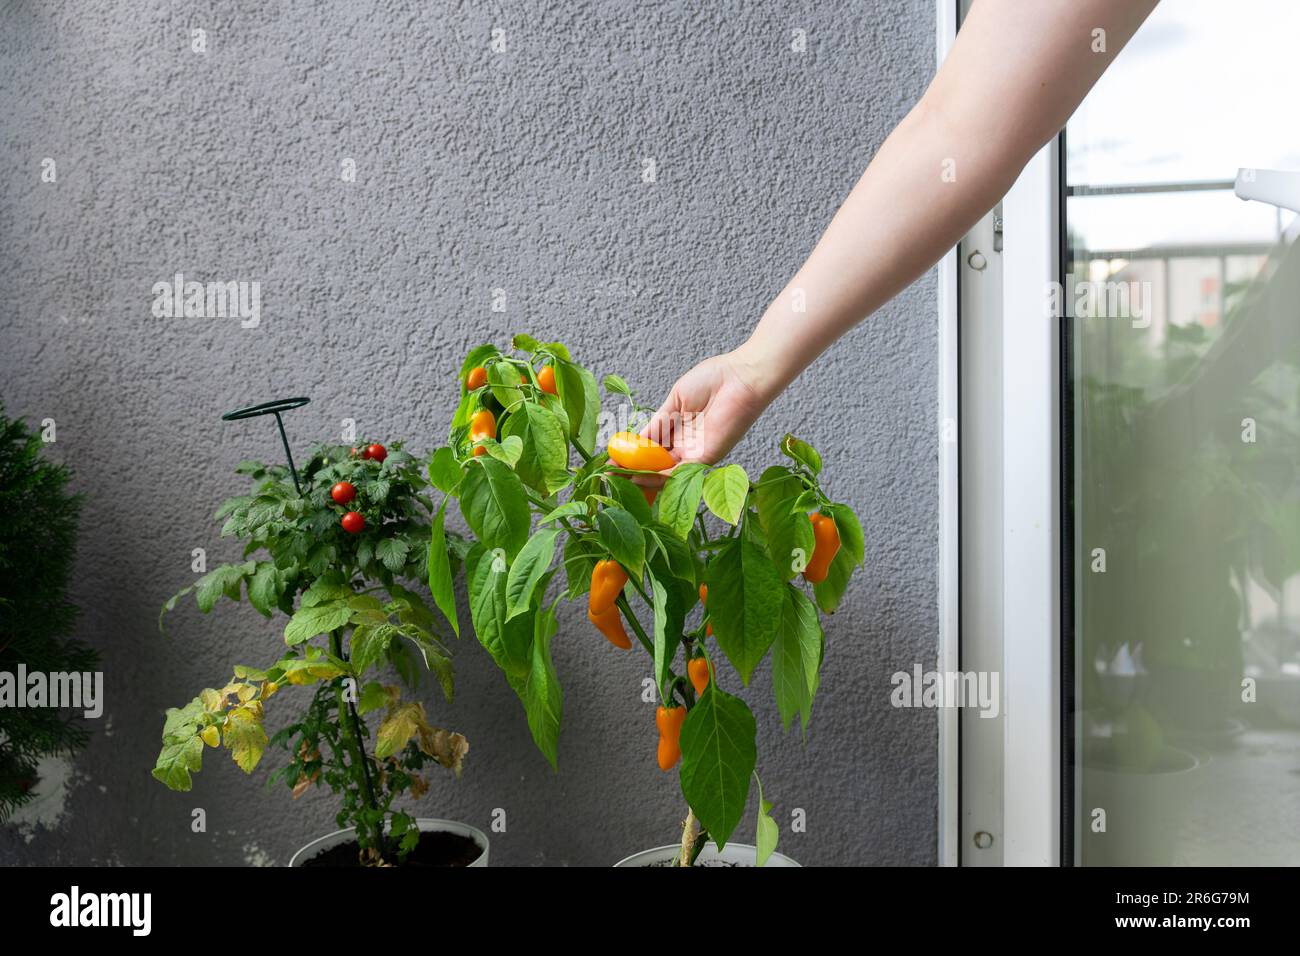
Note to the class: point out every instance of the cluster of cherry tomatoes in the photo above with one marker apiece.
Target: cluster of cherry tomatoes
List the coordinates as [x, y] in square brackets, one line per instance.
[354, 522]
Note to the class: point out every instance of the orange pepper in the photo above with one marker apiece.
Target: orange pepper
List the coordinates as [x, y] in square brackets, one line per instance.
[639, 453]
[611, 625]
[546, 380]
[669, 720]
[827, 538]
[482, 425]
[698, 670]
[477, 378]
[607, 580]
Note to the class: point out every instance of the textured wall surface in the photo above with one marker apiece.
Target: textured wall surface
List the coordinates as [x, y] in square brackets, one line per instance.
[475, 170]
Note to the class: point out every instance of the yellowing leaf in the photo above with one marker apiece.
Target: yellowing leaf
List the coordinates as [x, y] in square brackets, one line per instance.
[211, 736]
[401, 724]
[245, 737]
[408, 720]
[446, 747]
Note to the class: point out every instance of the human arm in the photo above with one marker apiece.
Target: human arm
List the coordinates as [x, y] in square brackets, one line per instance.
[1014, 75]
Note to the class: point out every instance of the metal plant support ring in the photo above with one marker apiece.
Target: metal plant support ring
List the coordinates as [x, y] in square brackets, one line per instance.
[273, 408]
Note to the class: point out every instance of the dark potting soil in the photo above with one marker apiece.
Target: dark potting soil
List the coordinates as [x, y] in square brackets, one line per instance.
[434, 849]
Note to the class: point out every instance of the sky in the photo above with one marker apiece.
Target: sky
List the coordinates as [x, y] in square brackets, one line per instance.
[1205, 87]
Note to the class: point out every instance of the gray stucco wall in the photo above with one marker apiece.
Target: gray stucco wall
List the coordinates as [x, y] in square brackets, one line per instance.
[475, 170]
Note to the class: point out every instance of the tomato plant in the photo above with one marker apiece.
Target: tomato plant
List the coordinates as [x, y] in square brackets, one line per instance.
[551, 514]
[339, 583]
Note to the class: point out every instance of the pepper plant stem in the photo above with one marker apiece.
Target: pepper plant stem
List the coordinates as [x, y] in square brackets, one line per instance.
[626, 608]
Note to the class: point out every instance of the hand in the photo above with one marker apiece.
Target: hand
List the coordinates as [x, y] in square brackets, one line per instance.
[709, 409]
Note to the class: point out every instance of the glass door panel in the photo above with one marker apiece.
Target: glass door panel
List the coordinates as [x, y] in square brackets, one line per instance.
[1183, 319]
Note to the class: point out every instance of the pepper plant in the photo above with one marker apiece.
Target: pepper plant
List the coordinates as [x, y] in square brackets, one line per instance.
[332, 559]
[554, 517]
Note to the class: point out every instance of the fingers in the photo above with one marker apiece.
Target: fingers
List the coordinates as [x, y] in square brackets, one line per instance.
[659, 428]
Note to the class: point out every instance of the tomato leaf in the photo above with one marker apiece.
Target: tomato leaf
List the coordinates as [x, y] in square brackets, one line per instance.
[264, 588]
[718, 757]
[308, 622]
[725, 492]
[392, 552]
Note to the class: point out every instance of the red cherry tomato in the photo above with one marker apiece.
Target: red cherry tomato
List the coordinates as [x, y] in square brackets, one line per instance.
[353, 522]
[343, 492]
[376, 453]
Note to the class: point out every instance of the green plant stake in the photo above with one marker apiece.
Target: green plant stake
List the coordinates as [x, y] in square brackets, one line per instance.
[273, 408]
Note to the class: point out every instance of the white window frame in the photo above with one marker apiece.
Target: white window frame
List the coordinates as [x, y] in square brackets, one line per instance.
[1000, 780]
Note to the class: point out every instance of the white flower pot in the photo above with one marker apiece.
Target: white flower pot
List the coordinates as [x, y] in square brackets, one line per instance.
[733, 854]
[424, 824]
[1145, 807]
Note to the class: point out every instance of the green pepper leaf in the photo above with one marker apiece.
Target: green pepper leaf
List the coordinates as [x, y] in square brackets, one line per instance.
[631, 498]
[744, 603]
[725, 492]
[679, 500]
[439, 566]
[444, 470]
[796, 657]
[495, 506]
[540, 689]
[802, 452]
[718, 757]
[503, 380]
[830, 591]
[789, 532]
[527, 569]
[543, 460]
[623, 538]
[667, 631]
[508, 640]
